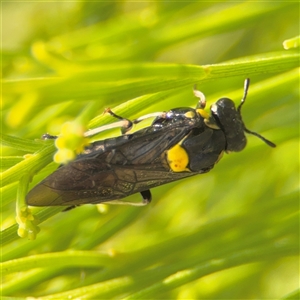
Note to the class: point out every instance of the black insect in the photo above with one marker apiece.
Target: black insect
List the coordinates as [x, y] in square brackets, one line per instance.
[180, 143]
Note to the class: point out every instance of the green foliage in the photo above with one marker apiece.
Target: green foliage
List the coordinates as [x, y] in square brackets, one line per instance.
[232, 233]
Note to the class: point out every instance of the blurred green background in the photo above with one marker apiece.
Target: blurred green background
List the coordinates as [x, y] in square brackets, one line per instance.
[232, 233]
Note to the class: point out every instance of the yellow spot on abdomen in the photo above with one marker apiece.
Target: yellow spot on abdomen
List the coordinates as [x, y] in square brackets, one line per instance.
[178, 159]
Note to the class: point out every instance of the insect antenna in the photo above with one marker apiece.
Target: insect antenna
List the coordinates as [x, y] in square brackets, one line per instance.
[246, 87]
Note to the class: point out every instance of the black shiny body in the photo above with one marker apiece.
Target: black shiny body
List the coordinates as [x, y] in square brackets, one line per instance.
[118, 167]
[114, 168]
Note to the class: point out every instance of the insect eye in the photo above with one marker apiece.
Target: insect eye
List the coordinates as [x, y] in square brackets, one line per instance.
[230, 122]
[229, 119]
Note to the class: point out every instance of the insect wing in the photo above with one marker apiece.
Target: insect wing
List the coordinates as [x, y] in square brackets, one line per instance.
[204, 149]
[100, 175]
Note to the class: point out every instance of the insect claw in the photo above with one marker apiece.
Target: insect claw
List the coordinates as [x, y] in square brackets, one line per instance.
[108, 110]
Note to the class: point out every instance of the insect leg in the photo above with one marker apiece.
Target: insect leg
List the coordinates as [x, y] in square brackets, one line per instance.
[162, 115]
[202, 101]
[147, 197]
[209, 121]
[124, 124]
[70, 208]
[146, 200]
[48, 136]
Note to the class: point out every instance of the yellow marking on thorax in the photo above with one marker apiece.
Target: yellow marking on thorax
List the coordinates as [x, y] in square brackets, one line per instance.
[189, 114]
[204, 114]
[207, 119]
